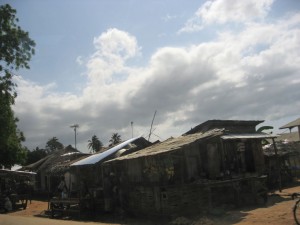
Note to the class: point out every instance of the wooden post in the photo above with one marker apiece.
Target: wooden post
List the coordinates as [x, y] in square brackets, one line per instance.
[223, 158]
[278, 165]
[209, 193]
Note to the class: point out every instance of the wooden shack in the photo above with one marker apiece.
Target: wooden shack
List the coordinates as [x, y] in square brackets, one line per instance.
[218, 162]
[17, 186]
[282, 163]
[88, 174]
[50, 168]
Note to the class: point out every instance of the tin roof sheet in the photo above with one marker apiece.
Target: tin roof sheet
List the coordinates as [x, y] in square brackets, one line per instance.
[248, 136]
[292, 124]
[100, 156]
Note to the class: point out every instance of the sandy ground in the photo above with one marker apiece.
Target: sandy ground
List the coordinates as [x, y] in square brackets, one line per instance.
[278, 211]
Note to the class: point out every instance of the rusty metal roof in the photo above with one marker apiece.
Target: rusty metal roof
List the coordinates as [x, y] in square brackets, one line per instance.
[172, 144]
[292, 124]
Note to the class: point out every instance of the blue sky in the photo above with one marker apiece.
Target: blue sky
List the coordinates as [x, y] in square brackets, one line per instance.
[102, 64]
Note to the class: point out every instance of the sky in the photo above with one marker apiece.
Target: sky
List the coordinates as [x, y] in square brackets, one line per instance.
[108, 66]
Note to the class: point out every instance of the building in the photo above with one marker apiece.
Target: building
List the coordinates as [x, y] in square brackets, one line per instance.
[291, 136]
[217, 162]
[51, 168]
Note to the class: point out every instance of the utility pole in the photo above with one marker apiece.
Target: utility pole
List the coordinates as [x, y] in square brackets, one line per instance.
[132, 129]
[75, 126]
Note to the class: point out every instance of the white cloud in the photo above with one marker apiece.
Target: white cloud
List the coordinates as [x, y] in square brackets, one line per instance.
[79, 60]
[168, 17]
[114, 43]
[224, 11]
[113, 49]
[246, 75]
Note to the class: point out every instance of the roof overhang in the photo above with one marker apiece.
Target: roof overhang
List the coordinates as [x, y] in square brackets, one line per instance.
[295, 123]
[19, 172]
[248, 136]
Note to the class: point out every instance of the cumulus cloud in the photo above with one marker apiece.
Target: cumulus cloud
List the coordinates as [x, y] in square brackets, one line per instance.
[224, 11]
[250, 74]
[113, 49]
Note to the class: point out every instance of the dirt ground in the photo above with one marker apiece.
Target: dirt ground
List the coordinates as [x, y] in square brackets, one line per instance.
[277, 211]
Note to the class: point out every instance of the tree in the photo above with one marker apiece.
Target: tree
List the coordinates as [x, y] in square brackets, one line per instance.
[53, 145]
[95, 144]
[35, 155]
[16, 49]
[115, 139]
[261, 130]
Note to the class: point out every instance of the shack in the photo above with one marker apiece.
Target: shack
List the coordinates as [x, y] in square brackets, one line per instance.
[282, 163]
[50, 168]
[290, 126]
[217, 162]
[17, 186]
[88, 174]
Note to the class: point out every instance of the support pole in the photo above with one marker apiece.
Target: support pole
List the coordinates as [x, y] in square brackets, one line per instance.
[278, 165]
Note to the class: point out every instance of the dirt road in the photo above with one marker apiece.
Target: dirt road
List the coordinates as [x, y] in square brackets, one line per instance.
[278, 211]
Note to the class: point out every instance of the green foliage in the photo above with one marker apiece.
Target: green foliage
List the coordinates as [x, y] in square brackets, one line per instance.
[15, 44]
[11, 150]
[35, 155]
[53, 145]
[16, 49]
[95, 144]
[263, 128]
[115, 139]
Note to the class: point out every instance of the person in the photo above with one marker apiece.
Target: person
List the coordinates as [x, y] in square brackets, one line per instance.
[62, 188]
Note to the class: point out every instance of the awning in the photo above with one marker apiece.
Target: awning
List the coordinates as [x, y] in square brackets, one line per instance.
[19, 172]
[248, 136]
[100, 156]
[292, 124]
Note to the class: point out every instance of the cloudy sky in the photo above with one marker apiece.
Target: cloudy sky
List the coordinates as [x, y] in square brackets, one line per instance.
[104, 64]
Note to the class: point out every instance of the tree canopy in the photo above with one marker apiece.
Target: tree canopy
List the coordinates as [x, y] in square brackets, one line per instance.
[53, 145]
[35, 155]
[16, 49]
[115, 139]
[95, 144]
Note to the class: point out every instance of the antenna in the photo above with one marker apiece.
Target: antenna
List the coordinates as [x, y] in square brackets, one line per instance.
[132, 129]
[151, 126]
[75, 126]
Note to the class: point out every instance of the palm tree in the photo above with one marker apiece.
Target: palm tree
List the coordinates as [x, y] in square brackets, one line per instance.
[115, 139]
[95, 144]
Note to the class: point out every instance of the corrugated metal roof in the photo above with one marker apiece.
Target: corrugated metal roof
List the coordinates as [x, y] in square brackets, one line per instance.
[218, 124]
[171, 144]
[17, 172]
[248, 136]
[100, 156]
